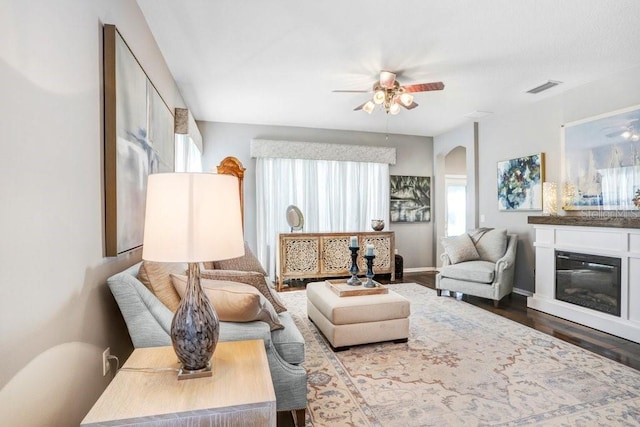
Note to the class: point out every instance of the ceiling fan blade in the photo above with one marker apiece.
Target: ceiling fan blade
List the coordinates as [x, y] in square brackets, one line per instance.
[387, 79]
[359, 107]
[410, 106]
[351, 91]
[424, 87]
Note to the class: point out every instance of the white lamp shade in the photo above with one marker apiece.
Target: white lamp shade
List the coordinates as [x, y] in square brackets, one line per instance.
[369, 106]
[192, 217]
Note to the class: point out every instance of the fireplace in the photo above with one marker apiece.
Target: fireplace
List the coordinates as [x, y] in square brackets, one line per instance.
[590, 281]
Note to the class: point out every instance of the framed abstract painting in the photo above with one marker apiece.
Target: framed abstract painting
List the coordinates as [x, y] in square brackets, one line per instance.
[138, 140]
[410, 198]
[520, 183]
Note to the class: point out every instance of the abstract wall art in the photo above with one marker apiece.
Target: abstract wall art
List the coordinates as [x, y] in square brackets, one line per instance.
[138, 139]
[520, 183]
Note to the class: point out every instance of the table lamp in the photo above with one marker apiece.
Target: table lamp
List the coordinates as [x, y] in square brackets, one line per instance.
[192, 218]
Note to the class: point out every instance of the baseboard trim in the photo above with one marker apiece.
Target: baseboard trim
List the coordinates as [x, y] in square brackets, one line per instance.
[418, 269]
[522, 292]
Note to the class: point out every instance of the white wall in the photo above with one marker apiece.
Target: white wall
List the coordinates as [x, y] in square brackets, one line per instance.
[537, 128]
[56, 313]
[414, 157]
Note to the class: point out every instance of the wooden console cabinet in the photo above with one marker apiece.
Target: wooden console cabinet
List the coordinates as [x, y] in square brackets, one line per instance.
[316, 255]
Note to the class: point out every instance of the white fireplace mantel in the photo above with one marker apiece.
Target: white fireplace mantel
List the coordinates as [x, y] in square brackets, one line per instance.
[623, 243]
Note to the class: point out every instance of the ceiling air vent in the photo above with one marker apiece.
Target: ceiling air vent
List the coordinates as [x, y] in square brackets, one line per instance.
[545, 86]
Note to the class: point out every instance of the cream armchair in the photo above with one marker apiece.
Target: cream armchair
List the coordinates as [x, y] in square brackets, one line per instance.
[481, 263]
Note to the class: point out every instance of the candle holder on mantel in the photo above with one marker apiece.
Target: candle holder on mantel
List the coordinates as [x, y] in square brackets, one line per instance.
[354, 281]
[369, 283]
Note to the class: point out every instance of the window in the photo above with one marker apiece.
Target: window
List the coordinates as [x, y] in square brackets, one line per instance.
[188, 156]
[334, 196]
[456, 205]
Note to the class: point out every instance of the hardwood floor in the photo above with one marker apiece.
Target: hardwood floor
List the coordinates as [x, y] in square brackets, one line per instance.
[515, 308]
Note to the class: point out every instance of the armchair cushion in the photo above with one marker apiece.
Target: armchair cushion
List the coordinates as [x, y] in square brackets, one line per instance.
[156, 277]
[492, 245]
[460, 248]
[234, 302]
[471, 271]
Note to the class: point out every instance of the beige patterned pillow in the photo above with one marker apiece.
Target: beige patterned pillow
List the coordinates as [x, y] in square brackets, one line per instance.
[255, 279]
[156, 277]
[234, 302]
[460, 248]
[247, 262]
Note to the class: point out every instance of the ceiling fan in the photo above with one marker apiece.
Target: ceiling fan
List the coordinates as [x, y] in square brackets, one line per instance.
[391, 95]
[629, 132]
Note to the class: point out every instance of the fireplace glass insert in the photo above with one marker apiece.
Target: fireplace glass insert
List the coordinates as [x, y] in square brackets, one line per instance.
[590, 281]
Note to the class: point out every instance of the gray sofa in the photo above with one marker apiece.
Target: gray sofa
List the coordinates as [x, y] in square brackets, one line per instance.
[149, 324]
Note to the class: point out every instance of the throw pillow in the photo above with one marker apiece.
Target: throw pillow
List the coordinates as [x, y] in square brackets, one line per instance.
[156, 277]
[247, 262]
[233, 302]
[460, 248]
[255, 279]
[492, 245]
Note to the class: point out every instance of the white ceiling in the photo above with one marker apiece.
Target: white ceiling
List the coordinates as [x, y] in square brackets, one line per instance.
[276, 62]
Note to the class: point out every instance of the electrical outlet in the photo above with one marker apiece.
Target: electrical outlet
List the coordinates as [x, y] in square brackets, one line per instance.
[106, 365]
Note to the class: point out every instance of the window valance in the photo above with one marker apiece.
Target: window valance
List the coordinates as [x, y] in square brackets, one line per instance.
[185, 124]
[322, 151]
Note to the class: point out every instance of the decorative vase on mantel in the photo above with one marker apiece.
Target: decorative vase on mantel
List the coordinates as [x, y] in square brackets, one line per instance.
[377, 224]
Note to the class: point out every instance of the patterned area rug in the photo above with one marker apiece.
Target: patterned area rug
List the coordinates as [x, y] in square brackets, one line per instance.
[462, 366]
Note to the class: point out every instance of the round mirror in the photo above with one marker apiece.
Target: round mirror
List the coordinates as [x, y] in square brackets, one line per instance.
[295, 219]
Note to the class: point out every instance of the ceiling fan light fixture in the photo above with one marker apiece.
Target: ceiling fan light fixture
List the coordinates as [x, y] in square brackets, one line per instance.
[387, 79]
[626, 134]
[406, 99]
[369, 106]
[379, 96]
[389, 94]
[635, 137]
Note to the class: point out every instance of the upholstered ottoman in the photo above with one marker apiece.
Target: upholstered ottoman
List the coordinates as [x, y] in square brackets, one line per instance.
[362, 319]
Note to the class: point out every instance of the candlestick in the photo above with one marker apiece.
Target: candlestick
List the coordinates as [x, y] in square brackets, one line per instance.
[354, 281]
[369, 251]
[369, 283]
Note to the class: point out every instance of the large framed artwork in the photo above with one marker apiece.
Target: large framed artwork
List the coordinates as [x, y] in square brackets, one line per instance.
[138, 138]
[520, 183]
[410, 198]
[602, 162]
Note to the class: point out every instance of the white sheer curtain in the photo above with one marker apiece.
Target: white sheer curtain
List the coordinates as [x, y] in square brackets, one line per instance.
[619, 186]
[188, 156]
[334, 196]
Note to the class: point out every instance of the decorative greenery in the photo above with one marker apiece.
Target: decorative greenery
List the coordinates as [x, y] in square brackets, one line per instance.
[516, 178]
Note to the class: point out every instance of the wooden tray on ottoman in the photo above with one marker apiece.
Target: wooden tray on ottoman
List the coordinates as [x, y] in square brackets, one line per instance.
[341, 288]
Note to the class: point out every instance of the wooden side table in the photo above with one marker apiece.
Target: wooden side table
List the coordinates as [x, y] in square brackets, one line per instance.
[240, 392]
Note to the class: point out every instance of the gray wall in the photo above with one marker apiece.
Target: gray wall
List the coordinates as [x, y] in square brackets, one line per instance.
[533, 129]
[414, 157]
[57, 314]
